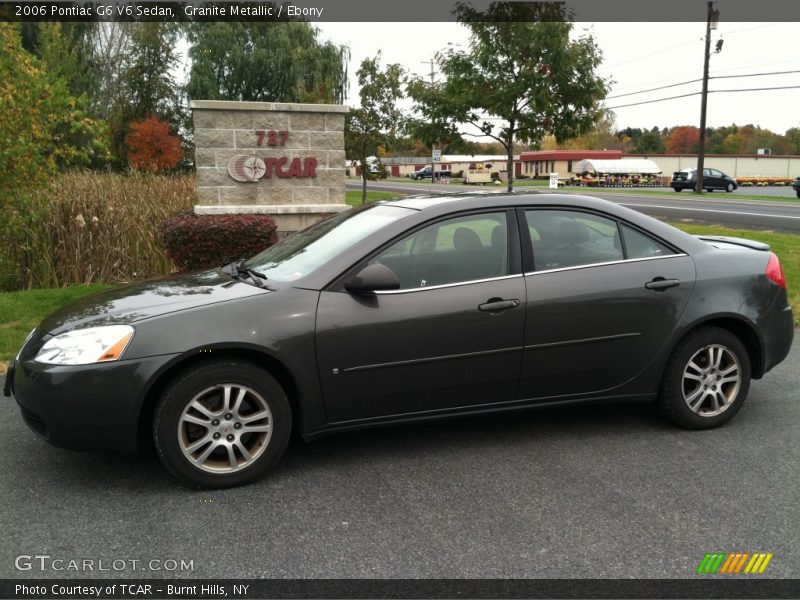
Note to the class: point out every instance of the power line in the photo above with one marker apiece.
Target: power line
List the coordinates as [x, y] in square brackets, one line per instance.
[762, 89]
[754, 74]
[664, 87]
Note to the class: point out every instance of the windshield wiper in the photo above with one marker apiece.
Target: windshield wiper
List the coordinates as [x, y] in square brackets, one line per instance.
[239, 268]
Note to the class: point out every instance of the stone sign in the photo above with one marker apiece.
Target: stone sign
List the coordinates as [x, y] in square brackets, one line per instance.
[285, 160]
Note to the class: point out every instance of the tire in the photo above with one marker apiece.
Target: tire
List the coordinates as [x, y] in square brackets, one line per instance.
[709, 190]
[194, 408]
[798, 193]
[677, 189]
[730, 187]
[690, 362]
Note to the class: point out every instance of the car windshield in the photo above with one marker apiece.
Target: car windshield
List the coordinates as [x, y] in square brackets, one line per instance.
[306, 251]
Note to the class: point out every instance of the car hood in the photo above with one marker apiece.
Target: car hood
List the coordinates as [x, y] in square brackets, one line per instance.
[147, 299]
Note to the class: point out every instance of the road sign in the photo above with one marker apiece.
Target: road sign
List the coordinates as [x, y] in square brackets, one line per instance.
[553, 181]
[437, 156]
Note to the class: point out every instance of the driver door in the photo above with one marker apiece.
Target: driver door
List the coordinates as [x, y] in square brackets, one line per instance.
[451, 336]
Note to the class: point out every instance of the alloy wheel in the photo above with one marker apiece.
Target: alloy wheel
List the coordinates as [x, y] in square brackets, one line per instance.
[225, 428]
[711, 380]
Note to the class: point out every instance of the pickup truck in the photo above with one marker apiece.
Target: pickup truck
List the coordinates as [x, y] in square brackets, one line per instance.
[796, 186]
[426, 173]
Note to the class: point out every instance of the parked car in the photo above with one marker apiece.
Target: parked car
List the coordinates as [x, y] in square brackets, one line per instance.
[796, 186]
[427, 173]
[686, 179]
[398, 311]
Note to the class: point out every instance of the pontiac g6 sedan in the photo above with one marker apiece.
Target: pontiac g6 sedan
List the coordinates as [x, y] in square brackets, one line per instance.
[418, 308]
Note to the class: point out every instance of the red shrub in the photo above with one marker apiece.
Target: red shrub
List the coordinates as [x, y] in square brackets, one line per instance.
[206, 241]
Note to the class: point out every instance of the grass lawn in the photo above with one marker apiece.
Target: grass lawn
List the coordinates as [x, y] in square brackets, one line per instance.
[353, 197]
[785, 245]
[22, 311]
[685, 195]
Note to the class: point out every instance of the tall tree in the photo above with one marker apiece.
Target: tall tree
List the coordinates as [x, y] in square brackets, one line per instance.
[145, 85]
[377, 121]
[522, 78]
[265, 61]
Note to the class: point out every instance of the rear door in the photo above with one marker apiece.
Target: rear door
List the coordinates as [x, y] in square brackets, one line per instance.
[602, 299]
[450, 337]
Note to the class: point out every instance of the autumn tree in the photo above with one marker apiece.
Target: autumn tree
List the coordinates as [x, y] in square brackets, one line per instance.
[523, 77]
[42, 128]
[152, 147]
[683, 140]
[377, 120]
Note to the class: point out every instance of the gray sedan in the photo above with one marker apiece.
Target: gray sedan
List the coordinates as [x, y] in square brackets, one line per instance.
[398, 311]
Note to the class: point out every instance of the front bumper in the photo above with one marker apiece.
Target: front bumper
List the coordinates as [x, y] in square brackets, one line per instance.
[86, 407]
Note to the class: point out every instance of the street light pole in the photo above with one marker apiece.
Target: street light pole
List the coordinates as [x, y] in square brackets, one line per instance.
[713, 15]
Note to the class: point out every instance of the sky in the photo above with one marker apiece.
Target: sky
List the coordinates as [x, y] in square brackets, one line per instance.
[636, 56]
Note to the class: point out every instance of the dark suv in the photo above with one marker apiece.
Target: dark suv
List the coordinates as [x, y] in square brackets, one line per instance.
[686, 179]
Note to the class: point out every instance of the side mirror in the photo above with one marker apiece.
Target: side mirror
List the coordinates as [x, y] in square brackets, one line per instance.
[373, 278]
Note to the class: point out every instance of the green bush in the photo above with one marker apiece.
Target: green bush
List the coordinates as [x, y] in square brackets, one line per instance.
[205, 241]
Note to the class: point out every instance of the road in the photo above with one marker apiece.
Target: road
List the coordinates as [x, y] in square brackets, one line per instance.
[584, 492]
[718, 208]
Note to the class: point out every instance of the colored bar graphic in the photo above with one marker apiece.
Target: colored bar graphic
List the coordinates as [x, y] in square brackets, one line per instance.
[733, 562]
[758, 563]
[711, 562]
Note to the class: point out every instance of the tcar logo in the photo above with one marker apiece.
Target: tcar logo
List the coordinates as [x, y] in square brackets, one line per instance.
[249, 169]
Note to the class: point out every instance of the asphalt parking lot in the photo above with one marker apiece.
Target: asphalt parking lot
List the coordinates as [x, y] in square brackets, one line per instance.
[606, 491]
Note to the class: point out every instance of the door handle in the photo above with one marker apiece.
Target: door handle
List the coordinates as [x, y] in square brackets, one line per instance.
[498, 304]
[659, 284]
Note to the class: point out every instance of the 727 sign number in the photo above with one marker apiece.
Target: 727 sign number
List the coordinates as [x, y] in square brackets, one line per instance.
[274, 138]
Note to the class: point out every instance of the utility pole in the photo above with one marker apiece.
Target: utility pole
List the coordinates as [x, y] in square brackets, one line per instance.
[431, 62]
[711, 23]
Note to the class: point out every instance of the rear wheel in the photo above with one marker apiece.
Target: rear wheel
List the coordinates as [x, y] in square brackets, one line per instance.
[706, 380]
[222, 424]
[677, 189]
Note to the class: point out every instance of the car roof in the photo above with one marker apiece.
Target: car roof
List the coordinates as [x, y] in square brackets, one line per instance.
[438, 205]
[486, 199]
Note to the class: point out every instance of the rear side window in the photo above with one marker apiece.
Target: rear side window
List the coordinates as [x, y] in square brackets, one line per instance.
[639, 245]
[563, 238]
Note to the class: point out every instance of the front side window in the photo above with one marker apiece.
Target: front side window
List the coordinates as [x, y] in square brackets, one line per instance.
[461, 249]
[307, 250]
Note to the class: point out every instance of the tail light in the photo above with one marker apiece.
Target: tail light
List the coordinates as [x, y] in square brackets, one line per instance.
[774, 271]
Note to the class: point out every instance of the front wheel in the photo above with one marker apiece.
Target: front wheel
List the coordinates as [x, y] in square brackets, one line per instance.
[222, 424]
[677, 189]
[706, 380]
[730, 187]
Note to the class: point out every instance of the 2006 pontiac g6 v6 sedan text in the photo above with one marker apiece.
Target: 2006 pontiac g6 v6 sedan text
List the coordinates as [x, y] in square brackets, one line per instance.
[411, 309]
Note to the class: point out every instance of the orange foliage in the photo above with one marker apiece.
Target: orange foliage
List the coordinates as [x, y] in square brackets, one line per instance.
[151, 146]
[683, 140]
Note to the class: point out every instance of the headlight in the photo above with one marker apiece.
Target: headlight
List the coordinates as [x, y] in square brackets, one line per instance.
[86, 346]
